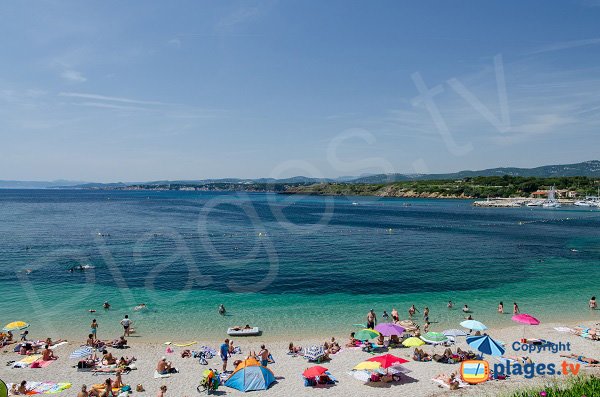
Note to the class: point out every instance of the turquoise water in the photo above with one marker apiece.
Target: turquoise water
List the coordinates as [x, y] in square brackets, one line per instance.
[292, 265]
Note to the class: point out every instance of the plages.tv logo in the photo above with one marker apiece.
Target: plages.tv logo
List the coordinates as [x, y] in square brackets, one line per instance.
[475, 371]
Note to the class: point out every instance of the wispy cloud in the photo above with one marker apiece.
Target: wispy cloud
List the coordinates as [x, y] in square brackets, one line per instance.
[565, 45]
[111, 106]
[109, 98]
[175, 43]
[73, 76]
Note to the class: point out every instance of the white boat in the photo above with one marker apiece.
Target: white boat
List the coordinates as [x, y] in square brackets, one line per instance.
[536, 203]
[552, 202]
[235, 331]
[584, 203]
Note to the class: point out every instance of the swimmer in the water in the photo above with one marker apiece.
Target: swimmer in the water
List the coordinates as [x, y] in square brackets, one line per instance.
[222, 309]
[106, 305]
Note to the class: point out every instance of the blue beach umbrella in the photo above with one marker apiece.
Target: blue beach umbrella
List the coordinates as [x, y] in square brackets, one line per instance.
[85, 351]
[474, 325]
[486, 345]
[253, 377]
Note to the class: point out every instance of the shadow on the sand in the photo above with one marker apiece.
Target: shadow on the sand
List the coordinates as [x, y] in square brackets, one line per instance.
[404, 380]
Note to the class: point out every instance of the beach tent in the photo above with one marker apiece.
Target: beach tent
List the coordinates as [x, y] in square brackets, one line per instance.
[249, 375]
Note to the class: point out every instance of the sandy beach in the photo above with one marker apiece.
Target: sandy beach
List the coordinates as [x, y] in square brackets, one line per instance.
[288, 369]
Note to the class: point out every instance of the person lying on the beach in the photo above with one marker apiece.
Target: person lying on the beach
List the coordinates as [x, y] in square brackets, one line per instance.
[125, 361]
[522, 360]
[51, 343]
[420, 355]
[119, 343]
[294, 349]
[449, 380]
[581, 358]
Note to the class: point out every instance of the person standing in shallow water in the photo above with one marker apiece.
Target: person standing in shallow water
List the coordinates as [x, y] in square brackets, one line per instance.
[371, 319]
[592, 304]
[515, 308]
[501, 308]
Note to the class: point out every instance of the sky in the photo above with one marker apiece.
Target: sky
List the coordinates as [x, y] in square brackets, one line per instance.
[137, 91]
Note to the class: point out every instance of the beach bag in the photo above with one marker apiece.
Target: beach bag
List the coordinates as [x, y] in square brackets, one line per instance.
[35, 364]
[139, 388]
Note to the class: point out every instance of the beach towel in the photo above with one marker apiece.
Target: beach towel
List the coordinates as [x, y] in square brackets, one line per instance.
[564, 329]
[41, 363]
[26, 362]
[45, 387]
[158, 376]
[461, 383]
[58, 345]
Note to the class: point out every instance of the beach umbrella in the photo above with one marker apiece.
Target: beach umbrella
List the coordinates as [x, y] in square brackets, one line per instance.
[474, 325]
[413, 342]
[389, 329]
[315, 371]
[15, 326]
[366, 334]
[525, 319]
[83, 352]
[388, 360]
[434, 338]
[3, 389]
[367, 365]
[251, 377]
[314, 353]
[454, 332]
[486, 345]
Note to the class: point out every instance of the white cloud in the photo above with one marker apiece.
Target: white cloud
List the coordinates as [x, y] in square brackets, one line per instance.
[73, 76]
[175, 43]
[565, 45]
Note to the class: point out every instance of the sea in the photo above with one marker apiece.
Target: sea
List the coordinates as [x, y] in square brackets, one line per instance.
[295, 266]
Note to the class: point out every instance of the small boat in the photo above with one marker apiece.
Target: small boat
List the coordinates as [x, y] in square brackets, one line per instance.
[236, 331]
[537, 203]
[584, 203]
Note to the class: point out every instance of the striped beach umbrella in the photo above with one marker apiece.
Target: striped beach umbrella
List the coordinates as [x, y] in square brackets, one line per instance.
[314, 353]
[434, 338]
[83, 352]
[486, 345]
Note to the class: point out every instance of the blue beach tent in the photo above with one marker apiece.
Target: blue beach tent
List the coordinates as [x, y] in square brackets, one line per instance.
[250, 377]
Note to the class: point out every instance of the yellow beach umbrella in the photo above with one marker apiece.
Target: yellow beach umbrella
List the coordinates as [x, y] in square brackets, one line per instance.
[367, 365]
[15, 326]
[413, 342]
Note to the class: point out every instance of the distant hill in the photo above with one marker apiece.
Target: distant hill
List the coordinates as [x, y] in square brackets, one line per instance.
[37, 184]
[588, 168]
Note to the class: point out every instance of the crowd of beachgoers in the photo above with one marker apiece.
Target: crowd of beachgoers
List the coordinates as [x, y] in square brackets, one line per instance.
[385, 352]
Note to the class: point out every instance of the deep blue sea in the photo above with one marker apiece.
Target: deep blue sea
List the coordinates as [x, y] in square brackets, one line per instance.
[286, 263]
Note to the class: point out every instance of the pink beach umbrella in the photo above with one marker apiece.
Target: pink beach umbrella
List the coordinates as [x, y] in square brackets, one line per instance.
[525, 319]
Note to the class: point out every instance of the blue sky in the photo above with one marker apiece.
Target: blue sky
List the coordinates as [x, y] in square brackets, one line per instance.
[133, 91]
